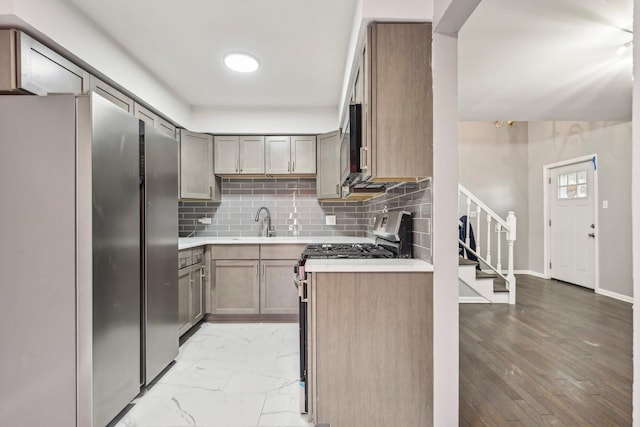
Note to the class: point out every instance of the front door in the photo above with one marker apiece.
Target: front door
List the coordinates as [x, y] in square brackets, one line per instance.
[572, 223]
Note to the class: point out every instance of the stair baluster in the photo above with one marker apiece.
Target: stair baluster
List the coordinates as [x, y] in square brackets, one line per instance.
[503, 228]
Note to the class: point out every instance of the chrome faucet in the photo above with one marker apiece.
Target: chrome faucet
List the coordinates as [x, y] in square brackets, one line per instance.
[270, 231]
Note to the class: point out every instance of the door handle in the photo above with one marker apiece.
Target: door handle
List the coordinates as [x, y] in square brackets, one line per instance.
[363, 157]
[592, 235]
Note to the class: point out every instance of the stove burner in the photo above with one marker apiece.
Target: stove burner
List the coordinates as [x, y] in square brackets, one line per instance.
[356, 250]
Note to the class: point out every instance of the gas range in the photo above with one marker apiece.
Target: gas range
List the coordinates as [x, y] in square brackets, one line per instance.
[393, 233]
[349, 251]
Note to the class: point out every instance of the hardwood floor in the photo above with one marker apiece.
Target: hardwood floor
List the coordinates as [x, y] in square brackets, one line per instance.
[560, 356]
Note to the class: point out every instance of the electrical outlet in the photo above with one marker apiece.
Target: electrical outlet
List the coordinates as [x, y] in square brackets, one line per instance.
[605, 204]
[330, 220]
[204, 220]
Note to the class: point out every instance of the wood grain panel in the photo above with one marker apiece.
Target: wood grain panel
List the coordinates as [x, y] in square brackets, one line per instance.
[239, 251]
[401, 100]
[373, 349]
[8, 77]
[281, 251]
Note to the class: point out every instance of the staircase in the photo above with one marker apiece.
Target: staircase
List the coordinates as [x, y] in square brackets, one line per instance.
[484, 281]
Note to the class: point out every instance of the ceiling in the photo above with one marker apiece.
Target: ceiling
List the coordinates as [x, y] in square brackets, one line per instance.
[546, 60]
[301, 45]
[518, 59]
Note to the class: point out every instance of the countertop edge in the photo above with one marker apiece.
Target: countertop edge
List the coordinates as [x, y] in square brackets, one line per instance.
[391, 265]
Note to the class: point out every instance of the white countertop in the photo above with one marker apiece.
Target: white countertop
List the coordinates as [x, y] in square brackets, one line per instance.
[192, 242]
[367, 265]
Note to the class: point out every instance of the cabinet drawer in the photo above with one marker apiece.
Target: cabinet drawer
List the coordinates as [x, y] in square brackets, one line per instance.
[235, 252]
[184, 258]
[197, 255]
[279, 251]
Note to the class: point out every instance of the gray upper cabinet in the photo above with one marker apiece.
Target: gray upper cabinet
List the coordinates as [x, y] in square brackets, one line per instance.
[111, 94]
[166, 127]
[398, 102]
[239, 155]
[277, 154]
[196, 167]
[303, 154]
[28, 66]
[329, 176]
[290, 155]
[152, 119]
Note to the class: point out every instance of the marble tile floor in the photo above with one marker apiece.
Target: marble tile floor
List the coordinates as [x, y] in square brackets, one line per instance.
[227, 375]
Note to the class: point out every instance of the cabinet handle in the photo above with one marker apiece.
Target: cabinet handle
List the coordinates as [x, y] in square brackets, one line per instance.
[363, 157]
[293, 166]
[202, 274]
[338, 189]
[237, 165]
[289, 166]
[210, 192]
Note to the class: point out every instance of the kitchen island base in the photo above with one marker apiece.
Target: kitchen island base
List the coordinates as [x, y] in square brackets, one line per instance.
[370, 347]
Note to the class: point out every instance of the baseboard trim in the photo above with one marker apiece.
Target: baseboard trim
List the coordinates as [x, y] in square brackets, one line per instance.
[473, 300]
[615, 295]
[528, 272]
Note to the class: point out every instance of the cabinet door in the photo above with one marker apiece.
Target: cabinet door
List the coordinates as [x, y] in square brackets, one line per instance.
[252, 154]
[328, 176]
[277, 153]
[145, 115]
[235, 287]
[345, 158]
[196, 169]
[115, 96]
[197, 283]
[184, 300]
[227, 152]
[41, 71]
[166, 127]
[303, 154]
[401, 110]
[278, 294]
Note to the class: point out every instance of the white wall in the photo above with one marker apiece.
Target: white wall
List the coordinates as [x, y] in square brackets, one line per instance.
[492, 164]
[59, 22]
[551, 142]
[264, 120]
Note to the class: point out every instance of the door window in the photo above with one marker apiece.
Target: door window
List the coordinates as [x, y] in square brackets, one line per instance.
[572, 185]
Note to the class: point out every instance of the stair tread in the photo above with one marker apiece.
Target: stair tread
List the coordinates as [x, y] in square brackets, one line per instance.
[464, 261]
[484, 275]
[499, 285]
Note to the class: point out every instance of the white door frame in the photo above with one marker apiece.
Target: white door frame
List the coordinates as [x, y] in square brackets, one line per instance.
[546, 174]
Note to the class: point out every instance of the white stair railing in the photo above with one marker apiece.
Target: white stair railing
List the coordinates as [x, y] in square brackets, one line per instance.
[504, 229]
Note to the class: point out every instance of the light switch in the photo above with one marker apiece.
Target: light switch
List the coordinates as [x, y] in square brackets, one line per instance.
[605, 204]
[330, 220]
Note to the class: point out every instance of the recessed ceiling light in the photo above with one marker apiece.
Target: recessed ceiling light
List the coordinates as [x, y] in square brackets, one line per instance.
[241, 62]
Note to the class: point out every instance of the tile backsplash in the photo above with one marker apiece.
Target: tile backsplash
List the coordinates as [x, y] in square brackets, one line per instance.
[293, 205]
[291, 201]
[414, 197]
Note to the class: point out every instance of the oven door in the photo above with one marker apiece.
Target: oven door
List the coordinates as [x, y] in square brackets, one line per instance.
[300, 283]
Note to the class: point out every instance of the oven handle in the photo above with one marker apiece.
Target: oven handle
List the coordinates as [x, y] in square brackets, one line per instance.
[302, 290]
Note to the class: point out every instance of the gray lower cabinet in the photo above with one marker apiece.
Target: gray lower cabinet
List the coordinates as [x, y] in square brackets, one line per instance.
[278, 294]
[184, 300]
[254, 280]
[191, 282]
[235, 287]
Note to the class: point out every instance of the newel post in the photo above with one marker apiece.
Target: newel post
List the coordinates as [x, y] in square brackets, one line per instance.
[511, 237]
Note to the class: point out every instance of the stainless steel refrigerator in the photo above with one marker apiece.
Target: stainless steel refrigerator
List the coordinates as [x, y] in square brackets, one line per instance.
[88, 302]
